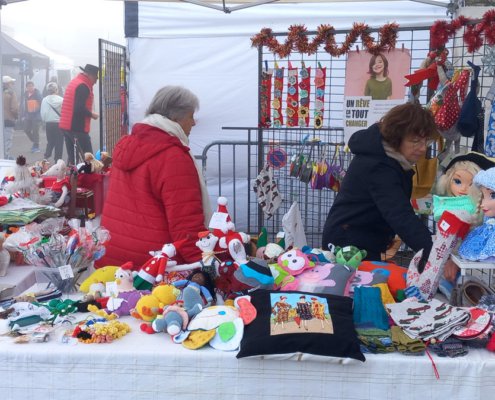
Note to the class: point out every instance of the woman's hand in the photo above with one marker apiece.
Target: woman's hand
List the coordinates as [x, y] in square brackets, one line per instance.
[451, 270]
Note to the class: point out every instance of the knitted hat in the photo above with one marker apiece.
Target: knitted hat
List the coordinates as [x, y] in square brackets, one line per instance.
[480, 160]
[486, 178]
[202, 235]
[178, 244]
[221, 226]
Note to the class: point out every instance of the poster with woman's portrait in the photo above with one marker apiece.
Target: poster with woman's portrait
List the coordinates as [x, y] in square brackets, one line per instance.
[373, 85]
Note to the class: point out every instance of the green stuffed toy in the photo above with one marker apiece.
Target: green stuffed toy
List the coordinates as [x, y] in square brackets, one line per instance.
[350, 256]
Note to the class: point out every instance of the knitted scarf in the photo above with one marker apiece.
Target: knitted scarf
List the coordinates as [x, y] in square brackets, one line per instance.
[174, 129]
[396, 156]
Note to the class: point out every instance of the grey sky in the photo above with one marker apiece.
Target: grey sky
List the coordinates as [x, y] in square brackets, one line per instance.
[68, 27]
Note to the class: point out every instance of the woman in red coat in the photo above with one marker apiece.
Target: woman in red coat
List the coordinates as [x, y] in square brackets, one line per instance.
[157, 193]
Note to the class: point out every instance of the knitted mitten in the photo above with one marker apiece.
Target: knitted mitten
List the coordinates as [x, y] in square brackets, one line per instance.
[404, 342]
[454, 348]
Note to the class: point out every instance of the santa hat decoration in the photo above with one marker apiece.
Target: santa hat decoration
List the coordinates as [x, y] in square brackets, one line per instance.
[221, 222]
[178, 244]
[128, 265]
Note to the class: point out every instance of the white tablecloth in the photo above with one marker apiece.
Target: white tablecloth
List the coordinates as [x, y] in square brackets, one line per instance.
[141, 366]
[22, 276]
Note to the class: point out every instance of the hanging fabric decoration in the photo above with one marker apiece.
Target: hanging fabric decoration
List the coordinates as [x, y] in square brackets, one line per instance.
[320, 79]
[278, 118]
[448, 115]
[468, 117]
[266, 96]
[490, 135]
[489, 68]
[479, 137]
[292, 98]
[304, 92]
[266, 191]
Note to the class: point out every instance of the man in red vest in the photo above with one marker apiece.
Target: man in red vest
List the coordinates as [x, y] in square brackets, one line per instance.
[77, 111]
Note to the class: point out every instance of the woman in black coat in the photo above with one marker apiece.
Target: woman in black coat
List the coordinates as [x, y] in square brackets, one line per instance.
[374, 201]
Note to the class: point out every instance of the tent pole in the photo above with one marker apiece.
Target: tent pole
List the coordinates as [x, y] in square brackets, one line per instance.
[203, 4]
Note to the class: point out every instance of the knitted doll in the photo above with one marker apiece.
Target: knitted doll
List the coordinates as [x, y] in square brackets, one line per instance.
[480, 243]
[456, 188]
[201, 282]
[61, 188]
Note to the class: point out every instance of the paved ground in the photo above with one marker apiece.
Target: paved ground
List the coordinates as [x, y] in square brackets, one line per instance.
[22, 145]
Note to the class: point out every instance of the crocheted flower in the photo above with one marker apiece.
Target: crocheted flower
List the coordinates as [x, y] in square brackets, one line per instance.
[290, 112]
[264, 114]
[279, 85]
[293, 103]
[319, 73]
[277, 93]
[304, 102]
[476, 244]
[319, 105]
[276, 114]
[277, 123]
[264, 88]
[303, 94]
[304, 73]
[303, 112]
[279, 73]
[302, 122]
[318, 122]
[276, 103]
[264, 97]
[318, 113]
[291, 122]
[292, 80]
[319, 82]
[320, 93]
[292, 90]
[303, 86]
[265, 76]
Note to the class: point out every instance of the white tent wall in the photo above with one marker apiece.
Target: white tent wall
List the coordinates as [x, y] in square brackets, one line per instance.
[210, 53]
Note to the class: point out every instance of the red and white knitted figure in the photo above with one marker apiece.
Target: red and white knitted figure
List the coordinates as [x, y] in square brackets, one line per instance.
[452, 227]
[221, 223]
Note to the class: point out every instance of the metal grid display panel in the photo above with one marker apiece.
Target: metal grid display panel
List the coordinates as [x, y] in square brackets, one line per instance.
[113, 94]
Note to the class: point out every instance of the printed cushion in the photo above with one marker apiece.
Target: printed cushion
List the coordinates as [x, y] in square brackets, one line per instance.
[301, 326]
[396, 274]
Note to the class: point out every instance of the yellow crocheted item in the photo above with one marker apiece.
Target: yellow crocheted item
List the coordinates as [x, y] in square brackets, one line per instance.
[387, 297]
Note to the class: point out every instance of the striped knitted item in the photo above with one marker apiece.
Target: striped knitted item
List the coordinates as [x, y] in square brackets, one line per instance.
[413, 291]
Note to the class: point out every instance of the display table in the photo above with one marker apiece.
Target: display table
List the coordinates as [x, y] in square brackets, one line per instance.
[22, 276]
[141, 366]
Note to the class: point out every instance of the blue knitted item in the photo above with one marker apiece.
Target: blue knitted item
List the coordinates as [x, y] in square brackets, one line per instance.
[413, 291]
[368, 306]
[486, 178]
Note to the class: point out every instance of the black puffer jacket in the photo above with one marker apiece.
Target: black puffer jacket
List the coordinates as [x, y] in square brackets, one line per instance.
[373, 204]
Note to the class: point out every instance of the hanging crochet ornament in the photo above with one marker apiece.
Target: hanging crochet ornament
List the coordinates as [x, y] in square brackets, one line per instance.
[488, 61]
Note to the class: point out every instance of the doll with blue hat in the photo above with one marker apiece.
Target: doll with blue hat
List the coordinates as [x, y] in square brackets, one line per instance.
[479, 245]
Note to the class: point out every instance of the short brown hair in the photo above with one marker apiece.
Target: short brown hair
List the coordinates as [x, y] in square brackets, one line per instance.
[385, 65]
[407, 120]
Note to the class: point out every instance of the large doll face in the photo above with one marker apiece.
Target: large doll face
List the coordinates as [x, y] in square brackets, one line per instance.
[461, 182]
[488, 203]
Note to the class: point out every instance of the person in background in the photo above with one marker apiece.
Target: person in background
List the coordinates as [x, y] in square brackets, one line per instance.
[10, 114]
[374, 201]
[51, 108]
[60, 89]
[31, 115]
[157, 193]
[77, 111]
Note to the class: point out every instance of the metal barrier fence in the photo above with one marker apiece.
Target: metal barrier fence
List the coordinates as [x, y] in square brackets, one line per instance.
[113, 94]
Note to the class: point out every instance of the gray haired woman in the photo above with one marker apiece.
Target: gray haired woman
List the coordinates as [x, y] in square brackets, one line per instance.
[157, 194]
[50, 114]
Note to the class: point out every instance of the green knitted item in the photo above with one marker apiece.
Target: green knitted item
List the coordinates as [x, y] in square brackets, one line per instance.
[404, 342]
[262, 238]
[373, 333]
[441, 204]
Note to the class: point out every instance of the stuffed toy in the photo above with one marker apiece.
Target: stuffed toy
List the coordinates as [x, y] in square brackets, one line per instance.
[254, 274]
[349, 255]
[221, 224]
[91, 165]
[219, 325]
[290, 264]
[23, 183]
[318, 255]
[127, 298]
[61, 188]
[176, 316]
[148, 307]
[328, 278]
[364, 278]
[396, 274]
[103, 275]
[234, 243]
[154, 269]
[209, 262]
[202, 283]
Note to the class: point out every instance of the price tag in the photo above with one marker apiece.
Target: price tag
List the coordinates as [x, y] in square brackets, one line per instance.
[218, 220]
[444, 225]
[66, 272]
[112, 289]
[346, 249]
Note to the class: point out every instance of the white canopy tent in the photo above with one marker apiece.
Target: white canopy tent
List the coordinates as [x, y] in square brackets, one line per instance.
[210, 53]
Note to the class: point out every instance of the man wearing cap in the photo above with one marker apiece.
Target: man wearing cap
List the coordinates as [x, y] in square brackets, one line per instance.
[31, 115]
[10, 114]
[77, 111]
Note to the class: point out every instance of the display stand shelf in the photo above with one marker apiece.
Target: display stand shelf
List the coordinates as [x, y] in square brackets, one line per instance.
[466, 264]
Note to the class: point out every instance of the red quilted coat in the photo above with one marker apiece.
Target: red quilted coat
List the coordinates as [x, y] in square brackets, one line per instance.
[153, 198]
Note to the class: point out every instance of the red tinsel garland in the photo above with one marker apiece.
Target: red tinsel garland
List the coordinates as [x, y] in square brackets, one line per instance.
[442, 31]
[298, 40]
